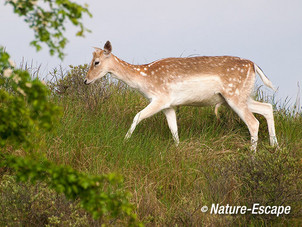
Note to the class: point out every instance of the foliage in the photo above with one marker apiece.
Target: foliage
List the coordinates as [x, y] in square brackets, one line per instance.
[271, 178]
[212, 164]
[75, 185]
[24, 204]
[24, 106]
[25, 112]
[170, 184]
[70, 84]
[48, 18]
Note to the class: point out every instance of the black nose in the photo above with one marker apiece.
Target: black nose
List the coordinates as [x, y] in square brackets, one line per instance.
[85, 82]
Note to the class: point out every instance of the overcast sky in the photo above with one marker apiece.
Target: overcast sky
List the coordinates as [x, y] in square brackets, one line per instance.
[268, 32]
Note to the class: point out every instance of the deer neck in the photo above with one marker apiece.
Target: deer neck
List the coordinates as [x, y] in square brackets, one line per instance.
[126, 72]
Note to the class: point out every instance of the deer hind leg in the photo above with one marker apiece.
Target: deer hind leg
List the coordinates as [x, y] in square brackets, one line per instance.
[153, 108]
[171, 119]
[266, 110]
[248, 118]
[216, 109]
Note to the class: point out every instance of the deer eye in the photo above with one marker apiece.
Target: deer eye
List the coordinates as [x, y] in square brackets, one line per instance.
[96, 63]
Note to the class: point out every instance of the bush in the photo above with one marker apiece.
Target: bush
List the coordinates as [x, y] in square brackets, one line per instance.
[24, 106]
[25, 113]
[268, 177]
[24, 204]
[71, 85]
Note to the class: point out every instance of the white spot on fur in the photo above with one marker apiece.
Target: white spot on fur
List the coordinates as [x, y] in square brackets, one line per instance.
[237, 92]
[143, 74]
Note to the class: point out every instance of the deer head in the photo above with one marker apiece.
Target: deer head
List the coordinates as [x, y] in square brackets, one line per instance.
[100, 64]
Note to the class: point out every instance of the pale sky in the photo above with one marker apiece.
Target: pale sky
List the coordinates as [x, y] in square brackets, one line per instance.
[268, 32]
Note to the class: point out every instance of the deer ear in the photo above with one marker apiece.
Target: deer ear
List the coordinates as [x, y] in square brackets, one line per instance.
[107, 48]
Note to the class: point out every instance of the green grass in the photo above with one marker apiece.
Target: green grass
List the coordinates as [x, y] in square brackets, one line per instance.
[169, 184]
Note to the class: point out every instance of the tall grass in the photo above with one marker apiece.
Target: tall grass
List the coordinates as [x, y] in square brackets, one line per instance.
[169, 184]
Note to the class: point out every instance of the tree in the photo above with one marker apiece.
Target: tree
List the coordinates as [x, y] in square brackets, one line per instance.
[48, 21]
[25, 111]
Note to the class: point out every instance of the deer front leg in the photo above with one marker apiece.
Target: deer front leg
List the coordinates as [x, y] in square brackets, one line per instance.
[153, 108]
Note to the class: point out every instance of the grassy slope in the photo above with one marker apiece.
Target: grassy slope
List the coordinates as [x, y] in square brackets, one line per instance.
[170, 184]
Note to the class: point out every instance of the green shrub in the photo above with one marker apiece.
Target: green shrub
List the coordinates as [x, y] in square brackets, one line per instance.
[23, 204]
[24, 106]
[71, 86]
[268, 177]
[271, 178]
[25, 112]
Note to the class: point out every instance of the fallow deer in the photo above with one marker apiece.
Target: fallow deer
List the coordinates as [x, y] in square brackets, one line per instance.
[195, 81]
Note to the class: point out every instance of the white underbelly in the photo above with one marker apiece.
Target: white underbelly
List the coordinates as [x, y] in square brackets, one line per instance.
[196, 92]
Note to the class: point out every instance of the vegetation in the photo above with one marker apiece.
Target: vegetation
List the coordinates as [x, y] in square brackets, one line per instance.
[42, 169]
[169, 185]
[48, 21]
[25, 109]
[26, 113]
